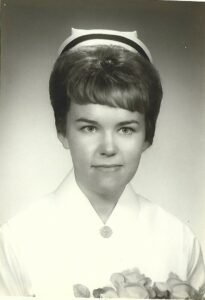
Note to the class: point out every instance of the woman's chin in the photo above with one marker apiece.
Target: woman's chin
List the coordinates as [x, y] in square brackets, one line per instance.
[109, 187]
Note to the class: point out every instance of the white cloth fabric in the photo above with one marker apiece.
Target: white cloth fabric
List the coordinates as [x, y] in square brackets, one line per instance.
[56, 243]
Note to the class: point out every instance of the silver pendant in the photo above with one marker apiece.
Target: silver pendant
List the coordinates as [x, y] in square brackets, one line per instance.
[106, 231]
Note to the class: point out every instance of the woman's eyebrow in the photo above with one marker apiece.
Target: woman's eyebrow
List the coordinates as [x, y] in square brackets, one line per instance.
[86, 121]
[128, 122]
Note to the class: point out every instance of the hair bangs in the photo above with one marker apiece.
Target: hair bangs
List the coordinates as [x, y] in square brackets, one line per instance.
[99, 88]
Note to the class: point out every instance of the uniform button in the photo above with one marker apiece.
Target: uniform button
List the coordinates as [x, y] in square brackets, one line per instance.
[106, 231]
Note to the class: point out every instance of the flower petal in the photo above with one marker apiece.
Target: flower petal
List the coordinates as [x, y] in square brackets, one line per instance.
[81, 291]
[134, 291]
[118, 280]
[183, 290]
[109, 292]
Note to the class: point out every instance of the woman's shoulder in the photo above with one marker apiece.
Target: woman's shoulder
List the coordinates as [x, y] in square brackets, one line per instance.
[160, 218]
[32, 216]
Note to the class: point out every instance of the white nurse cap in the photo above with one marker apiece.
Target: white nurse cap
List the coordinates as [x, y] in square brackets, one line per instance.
[125, 39]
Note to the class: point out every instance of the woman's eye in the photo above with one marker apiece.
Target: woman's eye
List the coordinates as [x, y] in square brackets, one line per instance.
[126, 130]
[89, 129]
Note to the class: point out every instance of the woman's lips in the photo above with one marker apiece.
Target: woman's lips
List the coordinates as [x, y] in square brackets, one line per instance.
[108, 168]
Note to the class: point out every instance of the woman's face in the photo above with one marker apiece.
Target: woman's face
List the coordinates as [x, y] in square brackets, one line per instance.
[106, 144]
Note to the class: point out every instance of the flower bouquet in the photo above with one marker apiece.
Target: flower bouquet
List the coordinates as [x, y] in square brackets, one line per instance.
[133, 284]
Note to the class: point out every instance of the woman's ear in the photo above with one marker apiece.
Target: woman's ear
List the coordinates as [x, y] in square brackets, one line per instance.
[145, 146]
[64, 141]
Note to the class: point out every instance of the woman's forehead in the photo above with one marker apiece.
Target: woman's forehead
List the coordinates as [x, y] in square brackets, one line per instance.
[102, 113]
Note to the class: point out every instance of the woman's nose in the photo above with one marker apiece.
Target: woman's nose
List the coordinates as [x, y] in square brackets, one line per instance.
[108, 145]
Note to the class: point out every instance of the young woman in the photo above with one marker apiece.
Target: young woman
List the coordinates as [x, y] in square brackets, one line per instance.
[106, 96]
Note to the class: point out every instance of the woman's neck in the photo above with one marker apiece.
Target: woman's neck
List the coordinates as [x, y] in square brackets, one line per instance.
[103, 203]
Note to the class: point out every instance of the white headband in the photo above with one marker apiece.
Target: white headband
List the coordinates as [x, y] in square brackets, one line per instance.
[125, 39]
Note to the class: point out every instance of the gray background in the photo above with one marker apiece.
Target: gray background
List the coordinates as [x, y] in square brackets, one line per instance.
[32, 160]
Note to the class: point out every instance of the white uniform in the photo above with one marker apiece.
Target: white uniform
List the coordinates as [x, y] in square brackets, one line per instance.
[57, 243]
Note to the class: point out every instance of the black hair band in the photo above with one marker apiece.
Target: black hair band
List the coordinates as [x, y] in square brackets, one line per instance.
[101, 36]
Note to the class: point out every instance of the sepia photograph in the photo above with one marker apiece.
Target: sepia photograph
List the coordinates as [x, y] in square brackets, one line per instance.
[102, 121]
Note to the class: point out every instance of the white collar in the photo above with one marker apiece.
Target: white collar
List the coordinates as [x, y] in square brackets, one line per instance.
[70, 198]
